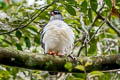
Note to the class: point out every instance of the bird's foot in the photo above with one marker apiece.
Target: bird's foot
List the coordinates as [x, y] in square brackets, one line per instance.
[60, 55]
[52, 53]
[55, 53]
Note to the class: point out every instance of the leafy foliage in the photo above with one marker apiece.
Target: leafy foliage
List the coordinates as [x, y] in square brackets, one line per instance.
[15, 14]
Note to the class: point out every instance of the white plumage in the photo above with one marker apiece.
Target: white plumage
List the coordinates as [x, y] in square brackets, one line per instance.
[58, 37]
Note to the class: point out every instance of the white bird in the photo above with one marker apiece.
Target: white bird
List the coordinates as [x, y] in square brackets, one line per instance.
[57, 36]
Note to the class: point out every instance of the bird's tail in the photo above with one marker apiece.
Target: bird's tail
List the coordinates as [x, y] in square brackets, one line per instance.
[56, 76]
[53, 73]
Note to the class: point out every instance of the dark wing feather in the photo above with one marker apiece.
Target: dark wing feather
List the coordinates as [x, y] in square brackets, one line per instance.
[41, 39]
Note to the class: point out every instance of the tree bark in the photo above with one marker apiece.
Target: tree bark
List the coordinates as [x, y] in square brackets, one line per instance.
[16, 58]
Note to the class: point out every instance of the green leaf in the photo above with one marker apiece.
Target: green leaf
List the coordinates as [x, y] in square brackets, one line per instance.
[71, 78]
[49, 1]
[71, 1]
[37, 39]
[96, 73]
[14, 71]
[109, 3]
[90, 15]
[18, 46]
[70, 9]
[1, 37]
[33, 28]
[80, 67]
[88, 63]
[18, 34]
[94, 5]
[84, 6]
[27, 42]
[4, 75]
[2, 5]
[117, 1]
[79, 75]
[68, 66]
[93, 47]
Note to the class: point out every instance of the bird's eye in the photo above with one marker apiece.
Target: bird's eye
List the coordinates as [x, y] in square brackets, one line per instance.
[55, 12]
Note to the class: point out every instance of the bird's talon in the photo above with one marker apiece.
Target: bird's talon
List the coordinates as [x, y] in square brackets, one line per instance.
[60, 55]
[53, 52]
[50, 53]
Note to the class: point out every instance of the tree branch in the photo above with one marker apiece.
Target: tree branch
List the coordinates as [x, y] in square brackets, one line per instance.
[27, 60]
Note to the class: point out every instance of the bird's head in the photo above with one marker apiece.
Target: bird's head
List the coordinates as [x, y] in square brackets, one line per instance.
[55, 15]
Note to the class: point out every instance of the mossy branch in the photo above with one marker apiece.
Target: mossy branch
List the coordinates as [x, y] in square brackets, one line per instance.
[16, 58]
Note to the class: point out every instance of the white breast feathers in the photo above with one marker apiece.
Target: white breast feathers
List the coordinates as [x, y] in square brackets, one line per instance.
[58, 37]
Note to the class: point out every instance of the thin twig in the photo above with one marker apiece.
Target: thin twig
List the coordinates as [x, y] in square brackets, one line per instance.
[86, 49]
[97, 17]
[82, 23]
[21, 27]
[35, 13]
[86, 32]
[105, 20]
[80, 50]
[93, 34]
[115, 70]
[110, 25]
[89, 28]
[84, 37]
[97, 31]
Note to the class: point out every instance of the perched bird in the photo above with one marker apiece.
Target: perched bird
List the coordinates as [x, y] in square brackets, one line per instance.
[57, 37]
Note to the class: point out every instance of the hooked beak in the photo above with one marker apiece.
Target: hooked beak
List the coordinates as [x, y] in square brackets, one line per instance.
[52, 14]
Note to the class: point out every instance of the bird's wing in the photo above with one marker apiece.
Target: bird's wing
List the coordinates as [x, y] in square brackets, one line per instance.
[41, 39]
